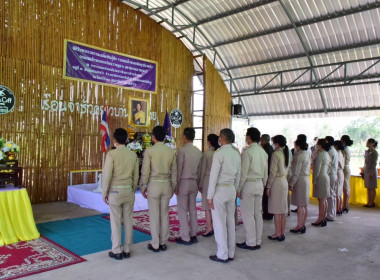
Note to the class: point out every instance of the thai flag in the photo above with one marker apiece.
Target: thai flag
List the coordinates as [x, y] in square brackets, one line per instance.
[105, 132]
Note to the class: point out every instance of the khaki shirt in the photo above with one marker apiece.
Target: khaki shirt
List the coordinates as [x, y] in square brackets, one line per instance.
[188, 162]
[300, 166]
[334, 161]
[159, 164]
[225, 169]
[205, 166]
[120, 169]
[277, 166]
[254, 165]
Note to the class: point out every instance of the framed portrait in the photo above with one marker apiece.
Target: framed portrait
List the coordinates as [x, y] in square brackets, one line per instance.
[139, 111]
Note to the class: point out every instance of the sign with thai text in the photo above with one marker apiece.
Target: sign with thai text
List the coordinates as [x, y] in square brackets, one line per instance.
[88, 63]
[7, 100]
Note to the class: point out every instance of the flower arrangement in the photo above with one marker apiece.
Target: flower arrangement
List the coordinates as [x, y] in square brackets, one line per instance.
[170, 142]
[135, 146]
[9, 146]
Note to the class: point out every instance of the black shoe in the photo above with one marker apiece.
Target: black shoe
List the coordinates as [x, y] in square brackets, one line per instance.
[370, 206]
[182, 242]
[230, 259]
[163, 247]
[278, 238]
[345, 210]
[301, 230]
[150, 247]
[294, 210]
[318, 224]
[118, 256]
[216, 259]
[193, 239]
[245, 246]
[126, 255]
[329, 220]
[211, 233]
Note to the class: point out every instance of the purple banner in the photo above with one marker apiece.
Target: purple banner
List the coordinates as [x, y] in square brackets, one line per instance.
[93, 64]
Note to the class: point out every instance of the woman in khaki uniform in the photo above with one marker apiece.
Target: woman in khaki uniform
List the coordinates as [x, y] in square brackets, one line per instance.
[340, 177]
[299, 184]
[204, 177]
[347, 142]
[370, 172]
[277, 186]
[321, 180]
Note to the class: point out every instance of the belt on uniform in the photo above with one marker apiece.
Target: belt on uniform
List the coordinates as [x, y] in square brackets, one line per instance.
[160, 180]
[121, 187]
[224, 185]
[254, 180]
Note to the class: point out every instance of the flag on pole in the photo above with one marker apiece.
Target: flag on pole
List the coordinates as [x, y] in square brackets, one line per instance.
[167, 125]
[105, 132]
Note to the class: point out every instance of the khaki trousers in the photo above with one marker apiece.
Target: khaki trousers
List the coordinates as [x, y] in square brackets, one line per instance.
[159, 194]
[223, 220]
[121, 202]
[251, 205]
[187, 196]
[331, 201]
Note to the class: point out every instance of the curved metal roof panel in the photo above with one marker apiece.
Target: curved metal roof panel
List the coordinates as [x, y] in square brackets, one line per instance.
[276, 47]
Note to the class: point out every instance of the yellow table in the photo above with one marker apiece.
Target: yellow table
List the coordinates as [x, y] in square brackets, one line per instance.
[16, 216]
[358, 191]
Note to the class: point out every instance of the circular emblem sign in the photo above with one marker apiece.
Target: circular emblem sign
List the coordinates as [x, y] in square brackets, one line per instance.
[7, 100]
[176, 118]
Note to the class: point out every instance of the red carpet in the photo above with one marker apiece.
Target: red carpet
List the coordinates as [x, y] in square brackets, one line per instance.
[31, 257]
[141, 221]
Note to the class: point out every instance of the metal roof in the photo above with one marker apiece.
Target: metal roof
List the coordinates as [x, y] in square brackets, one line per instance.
[283, 57]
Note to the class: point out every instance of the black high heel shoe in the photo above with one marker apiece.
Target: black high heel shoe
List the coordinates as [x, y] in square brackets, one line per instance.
[318, 224]
[324, 223]
[301, 230]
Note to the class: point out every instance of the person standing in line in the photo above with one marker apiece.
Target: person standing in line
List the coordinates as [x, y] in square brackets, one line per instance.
[331, 200]
[120, 179]
[253, 178]
[188, 166]
[321, 180]
[158, 182]
[347, 142]
[370, 172]
[277, 187]
[338, 146]
[204, 177]
[264, 142]
[299, 184]
[221, 195]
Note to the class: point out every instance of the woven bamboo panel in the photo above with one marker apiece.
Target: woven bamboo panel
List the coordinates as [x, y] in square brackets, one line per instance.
[52, 143]
[217, 109]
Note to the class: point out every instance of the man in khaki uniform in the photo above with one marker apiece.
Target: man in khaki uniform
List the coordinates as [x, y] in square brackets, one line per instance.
[159, 172]
[221, 195]
[188, 164]
[120, 178]
[253, 178]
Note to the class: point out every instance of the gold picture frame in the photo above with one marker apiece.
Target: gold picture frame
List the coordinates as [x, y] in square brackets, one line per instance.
[139, 114]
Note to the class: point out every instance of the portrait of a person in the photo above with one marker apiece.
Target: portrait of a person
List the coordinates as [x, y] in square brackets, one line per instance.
[139, 115]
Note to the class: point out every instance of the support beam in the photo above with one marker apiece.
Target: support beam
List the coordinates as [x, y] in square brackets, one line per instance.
[331, 110]
[306, 86]
[305, 68]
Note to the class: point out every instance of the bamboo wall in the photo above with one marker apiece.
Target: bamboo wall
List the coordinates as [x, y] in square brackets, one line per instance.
[217, 109]
[32, 37]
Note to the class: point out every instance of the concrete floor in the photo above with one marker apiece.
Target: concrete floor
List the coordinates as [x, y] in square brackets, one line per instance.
[348, 248]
